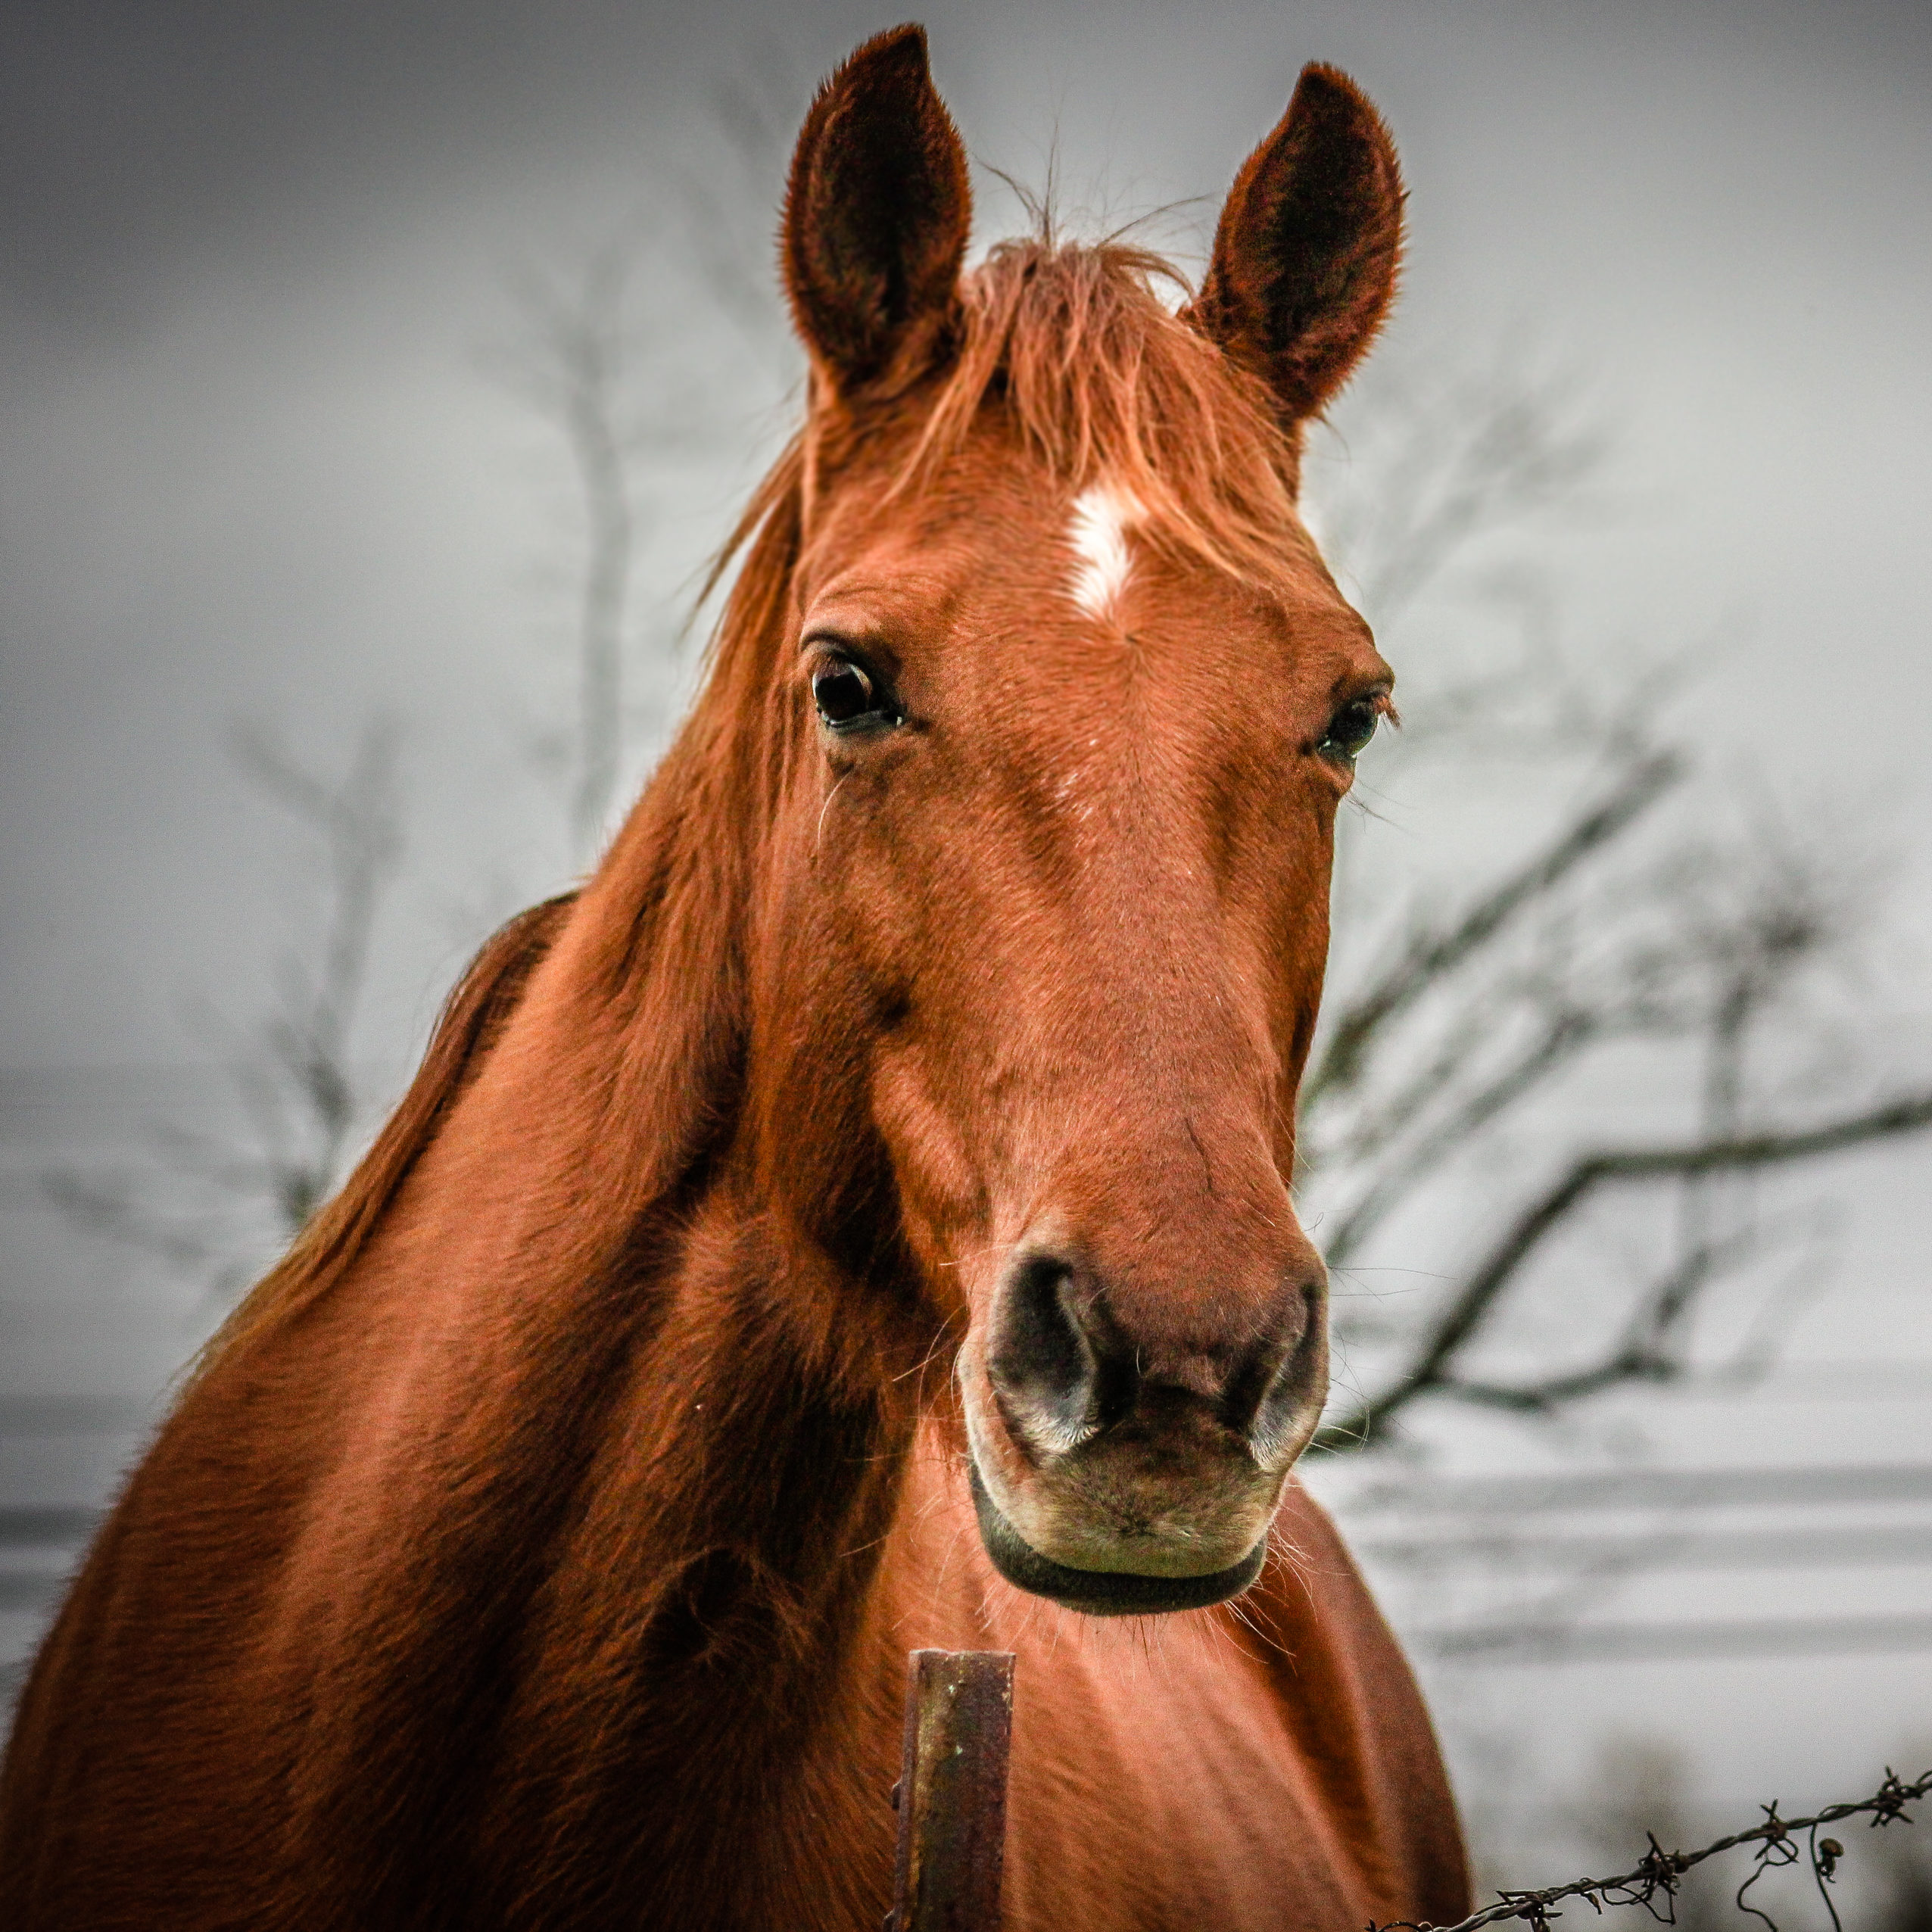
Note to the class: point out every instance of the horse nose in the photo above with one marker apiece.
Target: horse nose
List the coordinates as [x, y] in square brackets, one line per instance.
[1069, 1358]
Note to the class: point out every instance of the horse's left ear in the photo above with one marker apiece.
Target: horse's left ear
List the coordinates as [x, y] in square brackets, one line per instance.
[1305, 254]
[877, 217]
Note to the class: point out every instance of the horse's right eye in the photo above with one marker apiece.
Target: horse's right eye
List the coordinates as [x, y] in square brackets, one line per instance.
[843, 693]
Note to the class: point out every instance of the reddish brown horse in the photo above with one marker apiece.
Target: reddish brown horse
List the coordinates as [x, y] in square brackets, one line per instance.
[858, 1220]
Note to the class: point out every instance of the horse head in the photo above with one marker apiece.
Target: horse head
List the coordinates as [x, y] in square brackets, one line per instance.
[1066, 706]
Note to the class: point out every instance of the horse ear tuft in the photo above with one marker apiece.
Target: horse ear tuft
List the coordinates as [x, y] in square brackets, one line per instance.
[1305, 254]
[877, 217]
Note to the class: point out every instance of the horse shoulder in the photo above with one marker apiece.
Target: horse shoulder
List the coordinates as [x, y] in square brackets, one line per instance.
[181, 1576]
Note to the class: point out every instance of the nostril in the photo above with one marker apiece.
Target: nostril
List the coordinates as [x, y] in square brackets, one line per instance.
[1043, 1361]
[1040, 1362]
[1293, 1379]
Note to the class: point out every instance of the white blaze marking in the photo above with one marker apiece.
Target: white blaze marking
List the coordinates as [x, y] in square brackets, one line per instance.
[1102, 517]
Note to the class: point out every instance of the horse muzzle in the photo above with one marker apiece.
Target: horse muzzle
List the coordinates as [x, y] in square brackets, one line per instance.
[1103, 1593]
[1119, 1471]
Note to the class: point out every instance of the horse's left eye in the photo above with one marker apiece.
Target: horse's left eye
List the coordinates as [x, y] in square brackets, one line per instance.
[1351, 727]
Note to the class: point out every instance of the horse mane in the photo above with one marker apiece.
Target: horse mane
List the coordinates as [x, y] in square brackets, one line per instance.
[472, 1018]
[1100, 379]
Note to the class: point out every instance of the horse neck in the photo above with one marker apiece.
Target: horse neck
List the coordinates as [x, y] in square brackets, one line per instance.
[675, 1437]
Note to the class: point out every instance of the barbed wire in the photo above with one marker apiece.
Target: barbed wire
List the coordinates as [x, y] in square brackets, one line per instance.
[1658, 1871]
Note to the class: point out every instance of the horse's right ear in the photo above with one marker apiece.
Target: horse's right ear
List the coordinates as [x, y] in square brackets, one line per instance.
[1305, 256]
[877, 217]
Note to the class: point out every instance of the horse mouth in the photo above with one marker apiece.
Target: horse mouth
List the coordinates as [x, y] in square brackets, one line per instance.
[1102, 1593]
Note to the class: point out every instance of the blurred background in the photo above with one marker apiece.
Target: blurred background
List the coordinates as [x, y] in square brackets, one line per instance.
[375, 382]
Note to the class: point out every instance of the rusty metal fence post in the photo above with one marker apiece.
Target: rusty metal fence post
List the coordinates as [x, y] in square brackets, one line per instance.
[951, 1792]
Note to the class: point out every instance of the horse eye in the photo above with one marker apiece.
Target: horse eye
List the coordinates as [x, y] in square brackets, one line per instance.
[1350, 729]
[843, 691]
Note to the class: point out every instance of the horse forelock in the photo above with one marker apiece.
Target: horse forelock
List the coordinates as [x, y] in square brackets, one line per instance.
[1113, 390]
[1106, 383]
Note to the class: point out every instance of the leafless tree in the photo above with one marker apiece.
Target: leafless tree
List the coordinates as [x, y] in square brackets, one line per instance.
[727, 207]
[1467, 1016]
[214, 1204]
[299, 1085]
[575, 360]
[584, 356]
[609, 372]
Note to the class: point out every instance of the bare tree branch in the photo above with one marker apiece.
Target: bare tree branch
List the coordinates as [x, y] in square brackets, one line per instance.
[1431, 956]
[206, 1206]
[1461, 463]
[1427, 1369]
[1565, 1036]
[575, 364]
[1640, 1354]
[1624, 928]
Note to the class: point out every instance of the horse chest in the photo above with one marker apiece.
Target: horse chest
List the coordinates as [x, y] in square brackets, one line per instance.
[1162, 1771]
